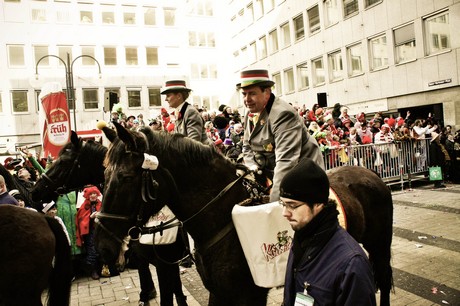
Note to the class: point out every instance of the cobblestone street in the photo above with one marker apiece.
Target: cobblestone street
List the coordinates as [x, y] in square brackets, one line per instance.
[426, 258]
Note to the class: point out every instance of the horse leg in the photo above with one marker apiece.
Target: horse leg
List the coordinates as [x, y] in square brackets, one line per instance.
[383, 274]
[168, 277]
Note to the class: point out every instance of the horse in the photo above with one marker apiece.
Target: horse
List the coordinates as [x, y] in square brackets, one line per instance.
[201, 187]
[79, 163]
[29, 241]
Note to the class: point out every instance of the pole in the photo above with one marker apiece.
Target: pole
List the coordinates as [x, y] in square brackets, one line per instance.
[70, 89]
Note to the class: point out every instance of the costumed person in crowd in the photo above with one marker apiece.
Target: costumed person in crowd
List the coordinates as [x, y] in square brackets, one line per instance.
[20, 198]
[66, 205]
[5, 197]
[326, 266]
[50, 209]
[156, 125]
[140, 119]
[438, 157]
[275, 137]
[86, 226]
[188, 120]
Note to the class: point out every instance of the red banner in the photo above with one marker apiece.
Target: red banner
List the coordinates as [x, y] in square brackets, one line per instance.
[56, 130]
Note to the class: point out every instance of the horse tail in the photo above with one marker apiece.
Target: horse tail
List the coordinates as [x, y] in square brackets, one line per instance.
[61, 275]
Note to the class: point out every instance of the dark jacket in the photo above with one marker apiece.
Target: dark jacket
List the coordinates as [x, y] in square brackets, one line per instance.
[339, 274]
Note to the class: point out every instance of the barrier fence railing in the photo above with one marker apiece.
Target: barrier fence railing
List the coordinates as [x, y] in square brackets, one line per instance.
[396, 163]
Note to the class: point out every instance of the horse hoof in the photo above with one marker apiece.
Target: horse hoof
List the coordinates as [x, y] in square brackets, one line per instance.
[144, 303]
[153, 294]
[95, 275]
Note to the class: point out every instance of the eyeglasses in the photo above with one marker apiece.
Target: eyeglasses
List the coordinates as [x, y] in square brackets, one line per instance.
[290, 207]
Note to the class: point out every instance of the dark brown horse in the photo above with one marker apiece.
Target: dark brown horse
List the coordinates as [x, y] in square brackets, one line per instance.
[28, 242]
[80, 162]
[201, 187]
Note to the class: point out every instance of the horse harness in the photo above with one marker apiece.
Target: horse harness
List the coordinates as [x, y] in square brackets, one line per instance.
[149, 187]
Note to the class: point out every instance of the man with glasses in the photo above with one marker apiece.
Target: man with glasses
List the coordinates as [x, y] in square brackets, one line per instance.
[326, 266]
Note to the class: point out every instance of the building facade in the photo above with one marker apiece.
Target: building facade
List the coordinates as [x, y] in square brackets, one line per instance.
[370, 55]
[114, 52]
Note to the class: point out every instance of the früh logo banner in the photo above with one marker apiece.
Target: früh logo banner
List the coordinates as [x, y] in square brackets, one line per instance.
[56, 129]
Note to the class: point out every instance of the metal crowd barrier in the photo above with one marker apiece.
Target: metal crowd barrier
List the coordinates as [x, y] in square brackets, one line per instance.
[396, 163]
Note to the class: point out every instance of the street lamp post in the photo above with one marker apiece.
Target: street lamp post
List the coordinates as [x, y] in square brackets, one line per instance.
[68, 79]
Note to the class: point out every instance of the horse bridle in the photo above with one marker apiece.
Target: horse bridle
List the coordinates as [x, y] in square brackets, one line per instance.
[149, 196]
[61, 190]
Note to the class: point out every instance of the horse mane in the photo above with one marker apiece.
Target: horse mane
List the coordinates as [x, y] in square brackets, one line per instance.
[175, 148]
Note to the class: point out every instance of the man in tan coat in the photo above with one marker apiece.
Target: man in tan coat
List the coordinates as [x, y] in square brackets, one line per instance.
[275, 138]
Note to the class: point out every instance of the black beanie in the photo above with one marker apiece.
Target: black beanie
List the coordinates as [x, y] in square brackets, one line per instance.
[306, 182]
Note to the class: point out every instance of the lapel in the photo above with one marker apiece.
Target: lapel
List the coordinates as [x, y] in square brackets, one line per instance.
[263, 117]
[182, 113]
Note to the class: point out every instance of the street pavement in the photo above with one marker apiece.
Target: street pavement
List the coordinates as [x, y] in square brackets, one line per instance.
[425, 250]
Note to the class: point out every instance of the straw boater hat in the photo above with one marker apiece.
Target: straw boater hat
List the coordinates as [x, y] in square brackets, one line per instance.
[174, 86]
[255, 77]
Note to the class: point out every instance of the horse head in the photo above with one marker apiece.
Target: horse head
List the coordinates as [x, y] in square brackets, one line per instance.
[79, 163]
[131, 193]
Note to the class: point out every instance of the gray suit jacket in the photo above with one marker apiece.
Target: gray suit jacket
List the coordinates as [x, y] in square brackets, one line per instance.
[191, 124]
[282, 138]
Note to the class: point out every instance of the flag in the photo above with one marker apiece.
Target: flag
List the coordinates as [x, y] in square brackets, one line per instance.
[56, 128]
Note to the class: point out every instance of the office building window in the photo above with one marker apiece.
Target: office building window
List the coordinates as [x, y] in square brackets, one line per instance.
[302, 76]
[154, 97]
[437, 33]
[259, 9]
[201, 7]
[39, 52]
[201, 39]
[289, 81]
[152, 56]
[355, 59]
[38, 15]
[252, 52]
[285, 35]
[277, 88]
[262, 47]
[110, 56]
[350, 7]
[62, 53]
[86, 17]
[299, 27]
[150, 16]
[331, 12]
[405, 43]
[378, 52]
[88, 61]
[134, 97]
[129, 18]
[335, 66]
[169, 17]
[273, 42]
[16, 55]
[63, 16]
[269, 5]
[131, 56]
[319, 77]
[313, 19]
[19, 99]
[249, 15]
[368, 3]
[108, 17]
[90, 98]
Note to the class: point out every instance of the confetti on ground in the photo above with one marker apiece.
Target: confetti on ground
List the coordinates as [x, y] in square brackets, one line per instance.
[419, 246]
[125, 298]
[422, 237]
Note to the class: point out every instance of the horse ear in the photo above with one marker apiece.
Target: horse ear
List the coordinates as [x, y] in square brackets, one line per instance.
[125, 136]
[74, 139]
[109, 133]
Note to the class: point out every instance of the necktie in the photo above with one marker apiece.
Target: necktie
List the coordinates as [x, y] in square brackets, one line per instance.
[176, 114]
[255, 118]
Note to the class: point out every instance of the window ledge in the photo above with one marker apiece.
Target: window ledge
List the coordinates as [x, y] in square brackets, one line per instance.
[406, 62]
[356, 75]
[380, 68]
[438, 53]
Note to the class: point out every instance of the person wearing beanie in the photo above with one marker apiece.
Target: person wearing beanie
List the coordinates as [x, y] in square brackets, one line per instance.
[326, 265]
[275, 136]
[86, 226]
